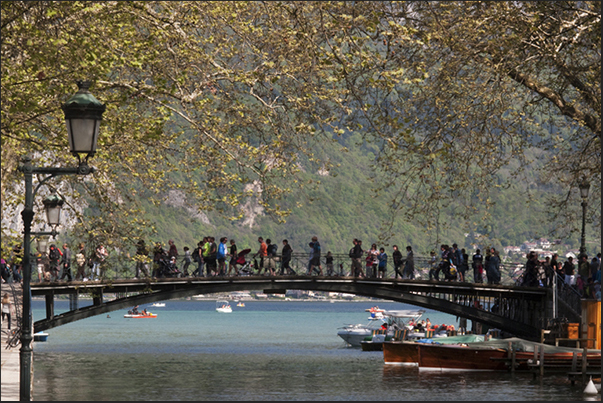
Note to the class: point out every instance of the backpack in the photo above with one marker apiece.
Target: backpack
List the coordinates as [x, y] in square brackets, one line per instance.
[54, 254]
[316, 247]
[272, 249]
[196, 254]
[351, 254]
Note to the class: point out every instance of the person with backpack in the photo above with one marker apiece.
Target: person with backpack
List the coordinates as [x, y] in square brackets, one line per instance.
[54, 257]
[270, 262]
[211, 260]
[287, 253]
[66, 263]
[221, 256]
[315, 261]
[478, 267]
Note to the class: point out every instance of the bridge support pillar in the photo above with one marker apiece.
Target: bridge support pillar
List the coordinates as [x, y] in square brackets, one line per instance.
[73, 302]
[49, 306]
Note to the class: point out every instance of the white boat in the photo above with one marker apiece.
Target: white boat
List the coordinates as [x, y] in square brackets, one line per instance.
[40, 336]
[395, 320]
[223, 306]
[159, 305]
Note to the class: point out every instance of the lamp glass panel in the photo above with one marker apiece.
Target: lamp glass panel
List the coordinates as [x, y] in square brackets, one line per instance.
[584, 190]
[53, 214]
[42, 244]
[83, 134]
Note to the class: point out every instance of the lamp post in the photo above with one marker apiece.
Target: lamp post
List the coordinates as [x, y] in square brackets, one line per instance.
[83, 113]
[584, 188]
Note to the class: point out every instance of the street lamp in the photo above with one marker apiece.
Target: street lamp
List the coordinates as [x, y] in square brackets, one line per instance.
[584, 188]
[83, 114]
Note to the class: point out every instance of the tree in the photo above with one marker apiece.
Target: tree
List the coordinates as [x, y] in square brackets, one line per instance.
[216, 99]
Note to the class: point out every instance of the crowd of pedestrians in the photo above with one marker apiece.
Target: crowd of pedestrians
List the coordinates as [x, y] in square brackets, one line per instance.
[222, 258]
[584, 279]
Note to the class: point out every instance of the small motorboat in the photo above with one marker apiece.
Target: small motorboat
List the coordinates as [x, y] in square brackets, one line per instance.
[40, 336]
[159, 305]
[140, 315]
[241, 305]
[223, 306]
[134, 313]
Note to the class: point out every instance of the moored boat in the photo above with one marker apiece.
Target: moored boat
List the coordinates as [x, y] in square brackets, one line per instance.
[406, 353]
[381, 322]
[495, 355]
[40, 336]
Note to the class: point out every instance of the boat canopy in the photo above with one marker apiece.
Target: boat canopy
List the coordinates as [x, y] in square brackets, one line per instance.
[527, 346]
[405, 314]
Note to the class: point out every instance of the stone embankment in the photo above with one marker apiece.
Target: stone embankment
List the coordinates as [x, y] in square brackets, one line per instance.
[10, 353]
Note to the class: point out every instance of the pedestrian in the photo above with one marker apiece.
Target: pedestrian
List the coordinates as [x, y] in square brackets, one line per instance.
[356, 255]
[434, 268]
[17, 262]
[6, 309]
[271, 255]
[382, 263]
[98, 267]
[315, 262]
[54, 258]
[80, 261]
[66, 263]
[172, 250]
[232, 264]
[568, 270]
[584, 268]
[329, 263]
[221, 255]
[478, 267]
[464, 267]
[4, 268]
[262, 253]
[530, 278]
[549, 273]
[197, 256]
[142, 259]
[41, 264]
[186, 261]
[409, 264]
[397, 256]
[372, 262]
[211, 261]
[493, 267]
[457, 255]
[286, 254]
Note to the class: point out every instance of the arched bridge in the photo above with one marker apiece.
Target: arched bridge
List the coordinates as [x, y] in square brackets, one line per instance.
[522, 311]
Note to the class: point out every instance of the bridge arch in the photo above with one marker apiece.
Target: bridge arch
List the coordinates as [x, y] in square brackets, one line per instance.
[522, 311]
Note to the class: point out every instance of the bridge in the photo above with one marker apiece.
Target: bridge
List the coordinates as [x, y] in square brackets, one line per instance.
[522, 311]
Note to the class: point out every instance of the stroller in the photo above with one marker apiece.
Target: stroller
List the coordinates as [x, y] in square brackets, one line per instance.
[168, 268]
[246, 267]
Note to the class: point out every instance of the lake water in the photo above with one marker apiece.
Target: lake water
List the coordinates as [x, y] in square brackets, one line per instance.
[265, 351]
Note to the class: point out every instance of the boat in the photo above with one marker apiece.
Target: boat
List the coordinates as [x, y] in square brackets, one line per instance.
[40, 336]
[354, 334]
[406, 352]
[241, 304]
[140, 315]
[223, 306]
[134, 313]
[159, 305]
[495, 355]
